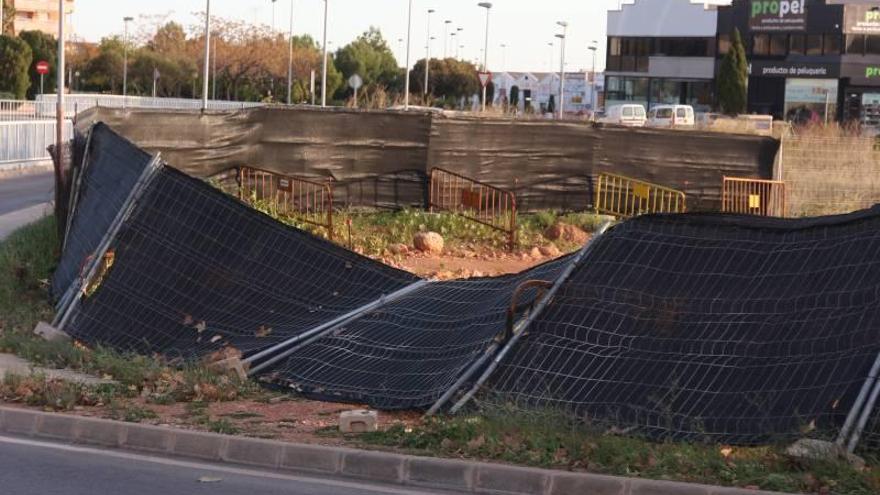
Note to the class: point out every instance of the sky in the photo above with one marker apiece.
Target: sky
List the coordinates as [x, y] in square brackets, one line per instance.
[525, 26]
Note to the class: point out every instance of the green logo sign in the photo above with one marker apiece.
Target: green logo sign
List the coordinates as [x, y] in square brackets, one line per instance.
[779, 8]
[871, 72]
[778, 15]
[872, 16]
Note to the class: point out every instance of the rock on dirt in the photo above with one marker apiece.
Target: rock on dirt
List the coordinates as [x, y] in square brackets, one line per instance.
[536, 253]
[550, 250]
[566, 232]
[398, 249]
[428, 242]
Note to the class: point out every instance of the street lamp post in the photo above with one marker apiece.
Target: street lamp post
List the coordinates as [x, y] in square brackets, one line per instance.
[324, 64]
[562, 68]
[593, 48]
[59, 106]
[552, 46]
[460, 47]
[503, 57]
[408, 45]
[488, 7]
[125, 21]
[290, 58]
[207, 64]
[446, 24]
[428, 55]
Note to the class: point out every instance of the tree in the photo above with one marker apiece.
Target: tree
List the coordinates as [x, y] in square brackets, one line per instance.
[370, 57]
[450, 78]
[514, 96]
[8, 17]
[104, 72]
[43, 48]
[15, 59]
[733, 78]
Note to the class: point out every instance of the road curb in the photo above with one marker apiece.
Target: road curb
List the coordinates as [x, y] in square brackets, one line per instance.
[427, 472]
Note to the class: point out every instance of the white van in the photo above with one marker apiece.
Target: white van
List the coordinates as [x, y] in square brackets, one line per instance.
[626, 115]
[672, 116]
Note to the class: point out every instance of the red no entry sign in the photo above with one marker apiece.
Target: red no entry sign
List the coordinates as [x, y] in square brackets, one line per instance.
[42, 67]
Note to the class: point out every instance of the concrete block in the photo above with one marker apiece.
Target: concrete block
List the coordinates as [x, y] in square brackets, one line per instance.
[253, 452]
[196, 444]
[56, 426]
[358, 421]
[374, 466]
[440, 473]
[19, 421]
[311, 458]
[147, 438]
[652, 487]
[99, 432]
[504, 479]
[582, 484]
[50, 333]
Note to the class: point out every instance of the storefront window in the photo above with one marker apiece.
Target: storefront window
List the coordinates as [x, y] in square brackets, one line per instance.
[798, 44]
[810, 100]
[832, 44]
[777, 44]
[665, 92]
[814, 44]
[620, 90]
[761, 44]
[872, 45]
[871, 109]
[855, 44]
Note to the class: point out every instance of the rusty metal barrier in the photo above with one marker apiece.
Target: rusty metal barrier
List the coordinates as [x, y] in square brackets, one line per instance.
[758, 197]
[474, 200]
[306, 201]
[625, 197]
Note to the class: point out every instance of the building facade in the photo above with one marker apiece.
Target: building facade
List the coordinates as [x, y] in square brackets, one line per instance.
[816, 60]
[41, 15]
[662, 52]
[534, 91]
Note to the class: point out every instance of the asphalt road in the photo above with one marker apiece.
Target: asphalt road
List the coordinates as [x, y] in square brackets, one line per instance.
[40, 468]
[18, 193]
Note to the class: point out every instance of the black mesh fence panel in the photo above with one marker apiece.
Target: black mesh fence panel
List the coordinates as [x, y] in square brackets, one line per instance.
[112, 169]
[194, 270]
[407, 354]
[709, 327]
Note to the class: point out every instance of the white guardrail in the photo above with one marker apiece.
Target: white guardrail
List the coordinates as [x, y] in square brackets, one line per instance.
[44, 107]
[28, 140]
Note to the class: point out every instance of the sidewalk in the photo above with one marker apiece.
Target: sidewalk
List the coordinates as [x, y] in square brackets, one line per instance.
[11, 222]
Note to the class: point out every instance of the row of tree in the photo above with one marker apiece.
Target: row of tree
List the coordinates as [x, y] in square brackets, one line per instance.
[249, 63]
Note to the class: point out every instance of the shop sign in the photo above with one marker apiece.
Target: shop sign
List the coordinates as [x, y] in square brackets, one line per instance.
[861, 74]
[793, 69]
[861, 19]
[778, 15]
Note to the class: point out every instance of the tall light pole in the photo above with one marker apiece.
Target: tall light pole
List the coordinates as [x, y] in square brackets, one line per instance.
[454, 44]
[400, 48]
[488, 7]
[290, 57]
[562, 68]
[446, 24]
[593, 47]
[59, 106]
[324, 64]
[125, 21]
[273, 17]
[503, 57]
[207, 64]
[552, 46]
[460, 47]
[408, 45]
[428, 54]
[214, 71]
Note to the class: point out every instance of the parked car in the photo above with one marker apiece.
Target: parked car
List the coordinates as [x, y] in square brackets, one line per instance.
[671, 116]
[626, 115]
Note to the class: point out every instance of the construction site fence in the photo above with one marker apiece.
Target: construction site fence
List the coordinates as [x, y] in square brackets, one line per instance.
[625, 197]
[474, 200]
[304, 200]
[745, 196]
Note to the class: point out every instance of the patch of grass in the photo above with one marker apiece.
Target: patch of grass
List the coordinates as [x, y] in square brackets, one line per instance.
[550, 440]
[60, 395]
[27, 258]
[223, 426]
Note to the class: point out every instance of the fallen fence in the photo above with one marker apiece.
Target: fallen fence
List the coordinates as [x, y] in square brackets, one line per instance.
[477, 201]
[307, 201]
[764, 198]
[626, 198]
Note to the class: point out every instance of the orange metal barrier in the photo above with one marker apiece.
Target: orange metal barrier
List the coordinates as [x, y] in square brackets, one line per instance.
[625, 197]
[305, 200]
[764, 198]
[474, 200]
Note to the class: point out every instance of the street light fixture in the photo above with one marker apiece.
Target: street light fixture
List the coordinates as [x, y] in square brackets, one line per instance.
[445, 37]
[125, 21]
[488, 7]
[503, 57]
[562, 68]
[460, 47]
[408, 45]
[428, 54]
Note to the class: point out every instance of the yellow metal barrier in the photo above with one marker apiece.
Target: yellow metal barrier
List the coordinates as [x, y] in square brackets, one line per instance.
[625, 197]
[764, 198]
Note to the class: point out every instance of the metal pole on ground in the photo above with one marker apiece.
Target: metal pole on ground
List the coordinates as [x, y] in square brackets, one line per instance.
[488, 7]
[207, 68]
[562, 69]
[324, 64]
[593, 96]
[408, 44]
[59, 106]
[125, 21]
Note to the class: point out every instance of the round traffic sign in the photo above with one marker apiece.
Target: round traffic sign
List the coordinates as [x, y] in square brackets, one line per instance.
[42, 67]
[355, 81]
